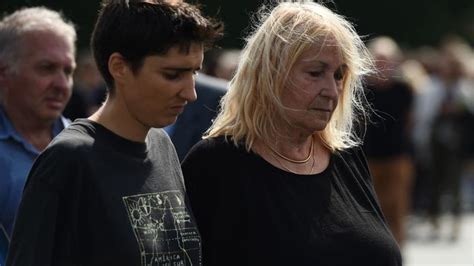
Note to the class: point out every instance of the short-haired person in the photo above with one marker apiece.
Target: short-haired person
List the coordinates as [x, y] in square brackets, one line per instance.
[280, 178]
[109, 189]
[37, 47]
[197, 116]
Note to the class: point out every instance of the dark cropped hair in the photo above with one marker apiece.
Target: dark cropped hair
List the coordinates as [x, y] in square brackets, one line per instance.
[137, 29]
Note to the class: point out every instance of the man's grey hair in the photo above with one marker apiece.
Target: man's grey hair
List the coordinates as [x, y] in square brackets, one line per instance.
[26, 20]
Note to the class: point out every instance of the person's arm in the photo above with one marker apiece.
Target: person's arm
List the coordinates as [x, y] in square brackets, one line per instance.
[35, 229]
[33, 236]
[201, 185]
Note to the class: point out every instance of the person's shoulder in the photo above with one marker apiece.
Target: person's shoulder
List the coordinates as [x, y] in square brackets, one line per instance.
[213, 146]
[75, 137]
[354, 158]
[219, 142]
[351, 152]
[66, 156]
[159, 142]
[158, 133]
[158, 136]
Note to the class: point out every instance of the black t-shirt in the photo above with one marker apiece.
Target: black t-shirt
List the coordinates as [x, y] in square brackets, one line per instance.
[252, 213]
[389, 133]
[95, 198]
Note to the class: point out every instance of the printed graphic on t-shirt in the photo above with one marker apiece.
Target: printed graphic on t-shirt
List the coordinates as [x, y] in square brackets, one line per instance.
[163, 228]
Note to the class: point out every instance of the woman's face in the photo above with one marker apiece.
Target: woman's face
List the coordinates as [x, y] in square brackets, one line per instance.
[314, 86]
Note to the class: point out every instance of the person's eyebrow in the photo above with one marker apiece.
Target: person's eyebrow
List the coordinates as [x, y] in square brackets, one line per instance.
[182, 69]
[326, 65]
[316, 61]
[323, 64]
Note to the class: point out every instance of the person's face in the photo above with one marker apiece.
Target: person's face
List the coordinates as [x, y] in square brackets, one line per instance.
[157, 93]
[41, 83]
[315, 84]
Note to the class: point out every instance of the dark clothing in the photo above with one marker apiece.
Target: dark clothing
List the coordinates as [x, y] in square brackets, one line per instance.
[197, 116]
[449, 147]
[77, 107]
[252, 213]
[447, 168]
[388, 135]
[388, 147]
[95, 198]
[84, 101]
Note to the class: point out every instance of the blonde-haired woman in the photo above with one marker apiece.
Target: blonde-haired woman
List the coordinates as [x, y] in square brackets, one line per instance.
[279, 179]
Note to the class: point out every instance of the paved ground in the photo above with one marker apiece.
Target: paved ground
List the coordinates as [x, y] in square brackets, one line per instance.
[423, 249]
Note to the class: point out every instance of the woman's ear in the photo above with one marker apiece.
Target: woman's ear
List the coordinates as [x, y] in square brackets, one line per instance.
[118, 67]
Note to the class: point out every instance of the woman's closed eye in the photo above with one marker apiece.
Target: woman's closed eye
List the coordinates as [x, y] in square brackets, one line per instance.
[316, 74]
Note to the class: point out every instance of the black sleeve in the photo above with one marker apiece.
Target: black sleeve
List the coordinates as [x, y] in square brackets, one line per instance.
[361, 162]
[33, 238]
[363, 166]
[33, 235]
[201, 184]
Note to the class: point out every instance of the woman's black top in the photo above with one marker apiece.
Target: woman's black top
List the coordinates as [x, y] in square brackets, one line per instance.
[251, 213]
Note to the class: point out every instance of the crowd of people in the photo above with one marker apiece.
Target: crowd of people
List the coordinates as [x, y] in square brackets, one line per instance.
[308, 146]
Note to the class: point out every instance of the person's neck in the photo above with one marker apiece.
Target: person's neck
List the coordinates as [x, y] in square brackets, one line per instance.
[295, 149]
[290, 138]
[114, 116]
[289, 142]
[38, 133]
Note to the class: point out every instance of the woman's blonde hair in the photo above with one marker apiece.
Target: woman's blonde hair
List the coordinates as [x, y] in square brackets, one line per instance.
[253, 103]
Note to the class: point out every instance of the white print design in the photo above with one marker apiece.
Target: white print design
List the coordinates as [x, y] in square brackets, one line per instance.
[164, 230]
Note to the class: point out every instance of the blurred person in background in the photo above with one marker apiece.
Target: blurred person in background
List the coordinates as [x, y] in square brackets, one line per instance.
[109, 189]
[387, 141]
[280, 178]
[450, 135]
[221, 63]
[227, 63]
[419, 72]
[89, 91]
[468, 181]
[37, 47]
